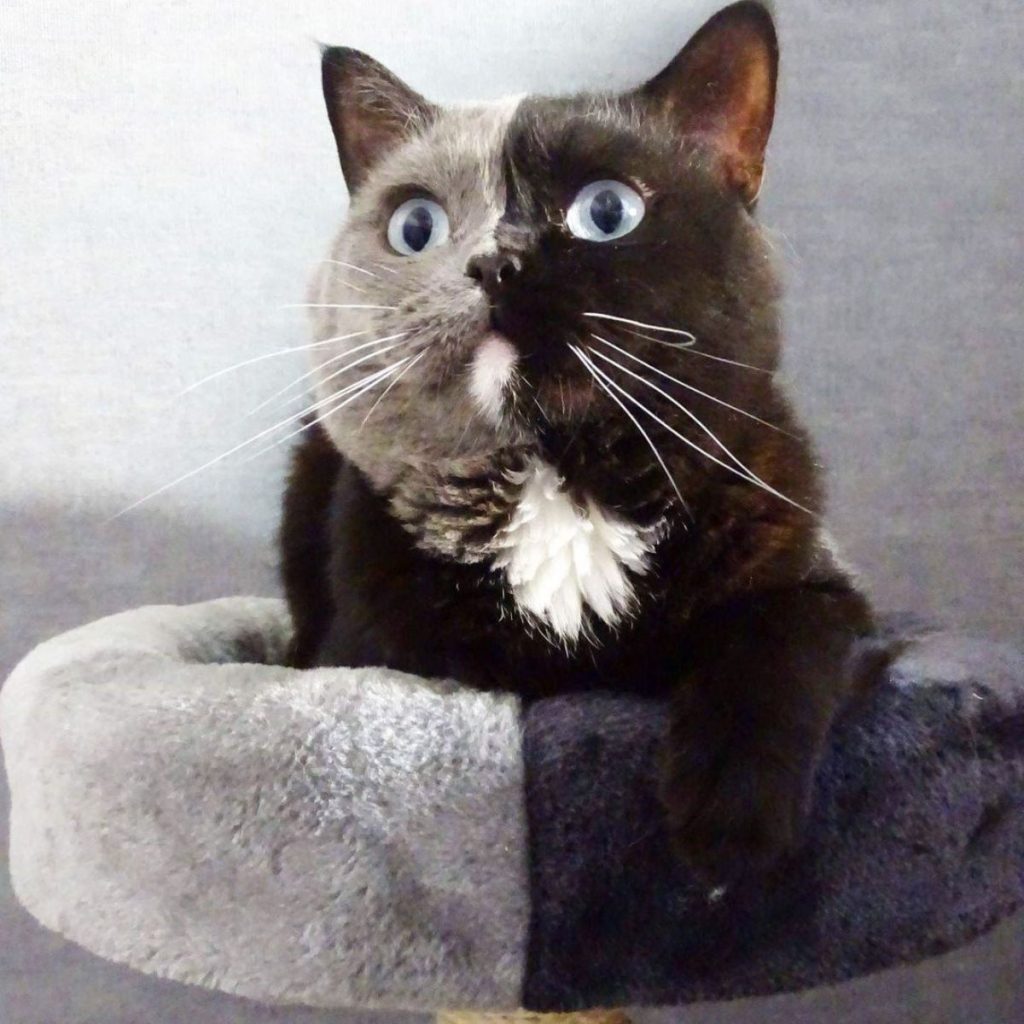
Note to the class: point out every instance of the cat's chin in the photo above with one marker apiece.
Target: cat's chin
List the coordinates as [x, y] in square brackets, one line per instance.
[492, 375]
[506, 399]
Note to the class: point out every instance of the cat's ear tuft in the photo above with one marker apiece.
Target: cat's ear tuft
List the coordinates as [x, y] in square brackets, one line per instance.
[370, 109]
[721, 86]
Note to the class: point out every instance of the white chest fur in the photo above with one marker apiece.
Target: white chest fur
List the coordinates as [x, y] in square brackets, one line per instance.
[562, 560]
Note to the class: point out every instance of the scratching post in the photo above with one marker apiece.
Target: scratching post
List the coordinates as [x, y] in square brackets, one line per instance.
[183, 804]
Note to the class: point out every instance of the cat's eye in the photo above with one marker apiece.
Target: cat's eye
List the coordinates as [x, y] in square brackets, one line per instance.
[417, 225]
[604, 210]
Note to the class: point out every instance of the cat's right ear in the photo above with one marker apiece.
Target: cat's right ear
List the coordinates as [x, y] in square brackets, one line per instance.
[371, 110]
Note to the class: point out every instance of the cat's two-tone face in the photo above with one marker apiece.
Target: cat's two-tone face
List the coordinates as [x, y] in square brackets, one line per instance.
[511, 273]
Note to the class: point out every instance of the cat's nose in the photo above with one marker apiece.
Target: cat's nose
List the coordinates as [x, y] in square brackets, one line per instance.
[494, 271]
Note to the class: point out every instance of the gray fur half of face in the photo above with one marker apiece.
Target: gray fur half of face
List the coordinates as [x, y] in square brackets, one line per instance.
[428, 419]
[324, 837]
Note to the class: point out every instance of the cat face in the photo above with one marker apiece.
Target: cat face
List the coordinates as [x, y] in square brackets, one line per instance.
[578, 277]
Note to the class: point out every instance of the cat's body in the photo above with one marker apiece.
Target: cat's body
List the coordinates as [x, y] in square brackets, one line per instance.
[574, 469]
[368, 595]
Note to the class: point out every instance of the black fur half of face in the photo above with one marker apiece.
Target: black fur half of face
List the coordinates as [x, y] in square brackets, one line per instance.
[691, 280]
[578, 280]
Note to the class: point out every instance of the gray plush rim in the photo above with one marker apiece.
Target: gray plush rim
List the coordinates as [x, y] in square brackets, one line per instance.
[332, 837]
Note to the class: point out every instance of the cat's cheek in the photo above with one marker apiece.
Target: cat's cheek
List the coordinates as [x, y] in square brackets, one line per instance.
[491, 372]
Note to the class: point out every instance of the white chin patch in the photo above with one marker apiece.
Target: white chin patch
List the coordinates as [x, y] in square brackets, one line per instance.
[562, 561]
[491, 373]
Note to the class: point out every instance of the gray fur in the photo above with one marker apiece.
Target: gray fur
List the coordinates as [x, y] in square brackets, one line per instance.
[332, 837]
[459, 508]
[428, 419]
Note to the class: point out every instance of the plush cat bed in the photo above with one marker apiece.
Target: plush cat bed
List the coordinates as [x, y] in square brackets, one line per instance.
[364, 838]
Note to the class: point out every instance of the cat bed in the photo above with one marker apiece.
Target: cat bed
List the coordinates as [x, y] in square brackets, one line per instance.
[337, 837]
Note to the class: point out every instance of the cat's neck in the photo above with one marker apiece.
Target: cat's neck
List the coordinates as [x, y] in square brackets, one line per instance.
[567, 558]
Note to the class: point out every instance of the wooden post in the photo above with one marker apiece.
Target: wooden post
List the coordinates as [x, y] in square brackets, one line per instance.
[524, 1017]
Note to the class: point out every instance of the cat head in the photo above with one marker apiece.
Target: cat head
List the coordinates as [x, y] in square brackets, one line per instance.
[567, 275]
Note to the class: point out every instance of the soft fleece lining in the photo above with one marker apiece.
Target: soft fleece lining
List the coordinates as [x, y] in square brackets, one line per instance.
[364, 838]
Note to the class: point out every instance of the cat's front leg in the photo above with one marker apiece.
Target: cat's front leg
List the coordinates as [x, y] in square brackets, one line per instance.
[750, 718]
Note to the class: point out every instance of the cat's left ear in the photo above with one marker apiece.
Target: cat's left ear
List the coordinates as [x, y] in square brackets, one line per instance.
[721, 87]
[371, 110]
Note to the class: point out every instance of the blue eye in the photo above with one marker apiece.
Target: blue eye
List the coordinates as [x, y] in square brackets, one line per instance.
[417, 225]
[604, 210]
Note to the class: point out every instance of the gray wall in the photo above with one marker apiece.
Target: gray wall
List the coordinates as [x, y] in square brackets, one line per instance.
[167, 179]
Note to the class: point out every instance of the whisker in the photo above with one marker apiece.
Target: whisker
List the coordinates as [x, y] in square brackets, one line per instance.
[383, 266]
[348, 394]
[347, 389]
[689, 387]
[345, 369]
[220, 458]
[362, 359]
[351, 266]
[332, 305]
[680, 346]
[675, 433]
[697, 352]
[269, 355]
[648, 327]
[354, 287]
[320, 366]
[679, 405]
[381, 396]
[593, 371]
[767, 232]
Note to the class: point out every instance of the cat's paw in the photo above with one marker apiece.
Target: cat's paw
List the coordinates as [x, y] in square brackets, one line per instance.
[733, 813]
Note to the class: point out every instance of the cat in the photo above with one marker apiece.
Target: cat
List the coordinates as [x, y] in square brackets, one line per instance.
[566, 463]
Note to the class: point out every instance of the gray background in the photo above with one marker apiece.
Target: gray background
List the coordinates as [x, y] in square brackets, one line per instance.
[167, 179]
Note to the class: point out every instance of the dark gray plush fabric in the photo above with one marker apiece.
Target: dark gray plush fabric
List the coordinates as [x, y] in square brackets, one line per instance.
[917, 844]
